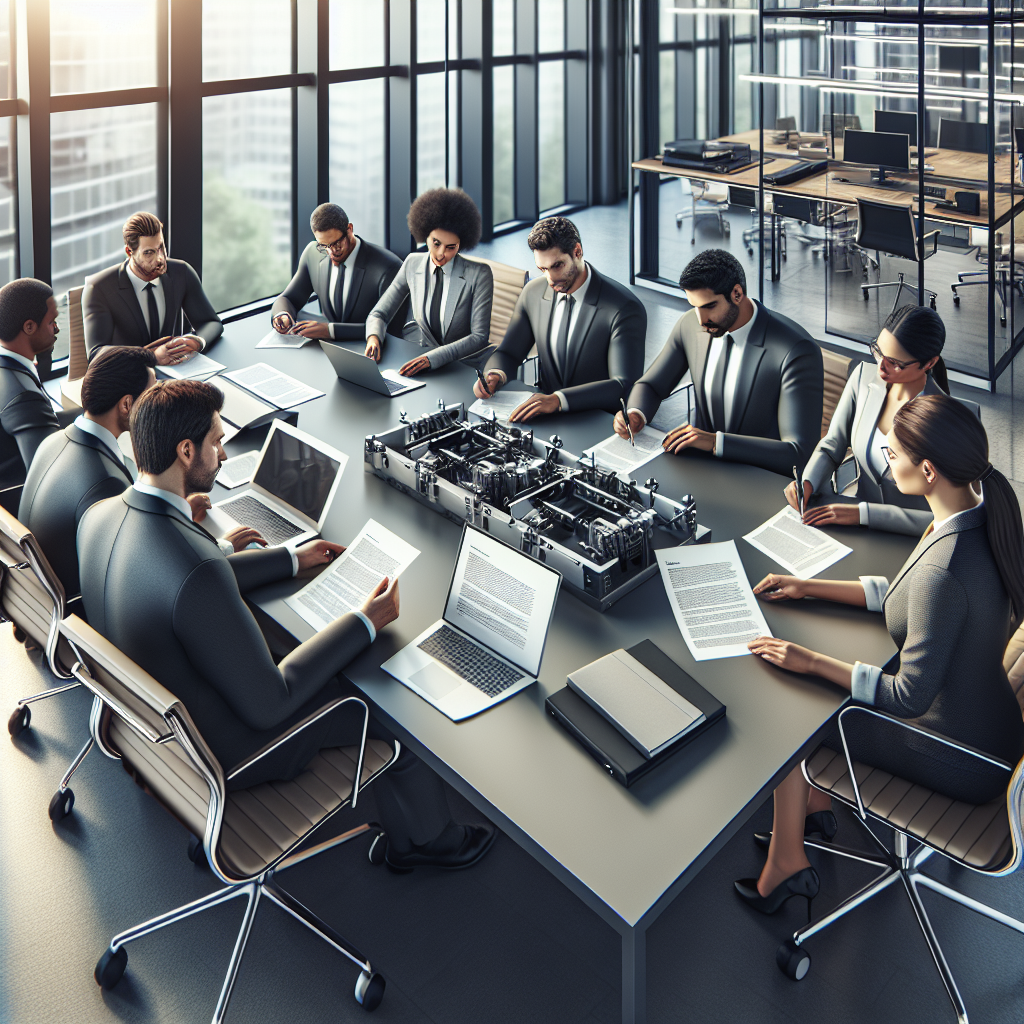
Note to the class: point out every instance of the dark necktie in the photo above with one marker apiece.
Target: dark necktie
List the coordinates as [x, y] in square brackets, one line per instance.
[152, 312]
[434, 321]
[718, 387]
[338, 300]
[562, 341]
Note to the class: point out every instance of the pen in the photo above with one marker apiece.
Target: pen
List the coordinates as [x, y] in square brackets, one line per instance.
[625, 416]
[799, 491]
[480, 377]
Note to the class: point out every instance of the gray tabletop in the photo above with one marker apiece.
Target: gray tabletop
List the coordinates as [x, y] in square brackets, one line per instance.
[626, 852]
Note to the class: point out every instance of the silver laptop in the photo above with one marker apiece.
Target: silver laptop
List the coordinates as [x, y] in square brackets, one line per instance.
[491, 640]
[292, 488]
[362, 370]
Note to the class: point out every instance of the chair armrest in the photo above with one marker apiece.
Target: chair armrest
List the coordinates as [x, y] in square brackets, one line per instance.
[933, 237]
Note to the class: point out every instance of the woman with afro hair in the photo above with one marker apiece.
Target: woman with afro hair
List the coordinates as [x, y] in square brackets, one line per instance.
[449, 296]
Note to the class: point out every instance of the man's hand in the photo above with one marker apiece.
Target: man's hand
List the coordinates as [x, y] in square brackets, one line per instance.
[791, 496]
[418, 365]
[535, 405]
[317, 552]
[242, 536]
[781, 588]
[200, 503]
[493, 382]
[283, 323]
[174, 350]
[636, 421]
[373, 348]
[784, 654]
[381, 607]
[678, 440]
[833, 515]
[311, 329]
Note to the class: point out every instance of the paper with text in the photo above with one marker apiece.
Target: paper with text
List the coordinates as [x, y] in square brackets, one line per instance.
[618, 454]
[275, 339]
[501, 405]
[273, 386]
[196, 366]
[802, 550]
[238, 470]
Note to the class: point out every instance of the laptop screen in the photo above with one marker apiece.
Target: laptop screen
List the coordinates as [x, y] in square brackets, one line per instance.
[502, 598]
[295, 472]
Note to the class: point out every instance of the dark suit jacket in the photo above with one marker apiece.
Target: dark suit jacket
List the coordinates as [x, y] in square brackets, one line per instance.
[113, 315]
[26, 418]
[72, 470]
[776, 413]
[156, 585]
[373, 273]
[607, 348]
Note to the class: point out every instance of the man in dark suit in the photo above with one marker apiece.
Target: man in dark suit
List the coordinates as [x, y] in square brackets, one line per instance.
[758, 377]
[345, 272]
[589, 331]
[156, 585]
[145, 300]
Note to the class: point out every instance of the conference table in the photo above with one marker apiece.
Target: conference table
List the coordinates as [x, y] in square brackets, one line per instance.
[626, 853]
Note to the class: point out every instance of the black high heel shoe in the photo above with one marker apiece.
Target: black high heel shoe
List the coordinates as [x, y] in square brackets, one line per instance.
[820, 823]
[804, 883]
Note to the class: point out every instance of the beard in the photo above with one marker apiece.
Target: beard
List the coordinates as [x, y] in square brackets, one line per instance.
[717, 328]
[569, 280]
[199, 479]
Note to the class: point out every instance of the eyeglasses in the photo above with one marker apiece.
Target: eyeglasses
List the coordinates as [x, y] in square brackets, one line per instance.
[881, 357]
[335, 247]
[890, 455]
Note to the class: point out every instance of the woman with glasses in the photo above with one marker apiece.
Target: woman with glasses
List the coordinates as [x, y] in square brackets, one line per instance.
[907, 363]
[449, 296]
[950, 612]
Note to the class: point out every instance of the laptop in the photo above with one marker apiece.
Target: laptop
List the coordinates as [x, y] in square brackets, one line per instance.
[292, 488]
[489, 644]
[362, 370]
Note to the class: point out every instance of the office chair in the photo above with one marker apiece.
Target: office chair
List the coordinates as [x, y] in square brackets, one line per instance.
[836, 369]
[78, 362]
[885, 227]
[963, 136]
[747, 198]
[1008, 270]
[714, 195]
[986, 838]
[247, 836]
[804, 211]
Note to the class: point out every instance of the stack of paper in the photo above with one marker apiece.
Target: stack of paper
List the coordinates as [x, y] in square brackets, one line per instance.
[273, 386]
[616, 453]
[803, 550]
[195, 367]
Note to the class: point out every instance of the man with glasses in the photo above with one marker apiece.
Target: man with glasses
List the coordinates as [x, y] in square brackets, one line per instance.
[146, 299]
[345, 272]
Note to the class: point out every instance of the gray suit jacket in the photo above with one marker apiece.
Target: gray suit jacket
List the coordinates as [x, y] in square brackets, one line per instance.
[607, 350]
[465, 319]
[776, 412]
[72, 470]
[113, 315]
[853, 426]
[26, 418]
[156, 585]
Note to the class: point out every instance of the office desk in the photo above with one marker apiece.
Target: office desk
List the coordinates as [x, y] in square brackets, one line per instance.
[626, 853]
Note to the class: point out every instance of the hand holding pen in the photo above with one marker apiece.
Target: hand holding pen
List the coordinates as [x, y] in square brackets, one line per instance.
[625, 416]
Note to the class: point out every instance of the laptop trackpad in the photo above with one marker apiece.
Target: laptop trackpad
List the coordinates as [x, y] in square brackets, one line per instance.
[435, 680]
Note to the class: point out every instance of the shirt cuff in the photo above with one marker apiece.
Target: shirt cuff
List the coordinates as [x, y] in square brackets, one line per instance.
[863, 506]
[864, 682]
[367, 623]
[639, 413]
[875, 589]
[226, 546]
[563, 402]
[295, 562]
[719, 444]
[202, 343]
[330, 328]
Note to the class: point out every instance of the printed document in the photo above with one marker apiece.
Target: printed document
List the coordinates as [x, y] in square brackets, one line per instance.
[238, 470]
[714, 607]
[375, 553]
[275, 339]
[195, 367]
[616, 453]
[273, 386]
[802, 550]
[502, 405]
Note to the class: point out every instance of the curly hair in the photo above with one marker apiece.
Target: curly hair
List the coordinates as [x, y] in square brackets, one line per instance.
[714, 269]
[449, 209]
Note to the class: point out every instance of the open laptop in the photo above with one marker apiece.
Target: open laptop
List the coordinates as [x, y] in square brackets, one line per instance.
[489, 644]
[362, 370]
[292, 488]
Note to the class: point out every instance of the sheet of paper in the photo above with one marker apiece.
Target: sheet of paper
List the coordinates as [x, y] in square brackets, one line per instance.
[712, 602]
[802, 550]
[501, 405]
[197, 366]
[375, 553]
[273, 386]
[274, 339]
[618, 454]
[238, 470]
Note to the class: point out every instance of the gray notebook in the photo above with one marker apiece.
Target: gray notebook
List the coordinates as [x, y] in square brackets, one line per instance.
[642, 706]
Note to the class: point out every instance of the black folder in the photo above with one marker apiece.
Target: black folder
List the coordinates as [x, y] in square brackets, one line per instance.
[606, 744]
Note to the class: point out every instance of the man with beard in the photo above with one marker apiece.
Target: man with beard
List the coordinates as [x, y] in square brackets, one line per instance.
[157, 586]
[758, 378]
[588, 329]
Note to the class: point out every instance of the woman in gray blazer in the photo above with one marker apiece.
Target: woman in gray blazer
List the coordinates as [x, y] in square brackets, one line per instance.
[908, 364]
[449, 296]
[950, 611]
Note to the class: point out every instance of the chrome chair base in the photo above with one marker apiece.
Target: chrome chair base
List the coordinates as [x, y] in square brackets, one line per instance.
[899, 284]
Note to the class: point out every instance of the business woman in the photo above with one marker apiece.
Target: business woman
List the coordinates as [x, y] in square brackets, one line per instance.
[907, 354]
[950, 612]
[449, 296]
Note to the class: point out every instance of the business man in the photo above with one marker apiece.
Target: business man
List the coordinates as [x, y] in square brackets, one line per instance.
[758, 377]
[143, 300]
[156, 585]
[589, 331]
[345, 272]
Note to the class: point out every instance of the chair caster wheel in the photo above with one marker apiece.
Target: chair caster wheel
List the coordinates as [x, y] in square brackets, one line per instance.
[865, 291]
[956, 300]
[19, 720]
[369, 990]
[378, 849]
[794, 961]
[110, 967]
[932, 302]
[196, 853]
[750, 252]
[1002, 320]
[61, 804]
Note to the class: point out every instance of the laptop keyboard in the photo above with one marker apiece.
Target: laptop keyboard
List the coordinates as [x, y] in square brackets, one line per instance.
[470, 661]
[393, 385]
[250, 512]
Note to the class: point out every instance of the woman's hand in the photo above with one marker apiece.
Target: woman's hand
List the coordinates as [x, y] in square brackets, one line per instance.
[833, 515]
[781, 588]
[791, 495]
[784, 654]
[418, 365]
[373, 348]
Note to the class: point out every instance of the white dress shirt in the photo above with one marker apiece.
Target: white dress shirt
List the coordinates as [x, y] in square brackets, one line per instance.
[879, 463]
[101, 433]
[27, 363]
[557, 315]
[348, 263]
[446, 278]
[140, 291]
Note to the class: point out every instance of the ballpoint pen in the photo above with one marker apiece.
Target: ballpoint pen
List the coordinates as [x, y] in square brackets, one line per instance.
[483, 382]
[799, 491]
[625, 416]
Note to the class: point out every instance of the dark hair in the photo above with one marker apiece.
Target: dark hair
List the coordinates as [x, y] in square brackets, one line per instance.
[328, 217]
[169, 412]
[922, 333]
[554, 233]
[140, 225]
[117, 371]
[21, 300]
[449, 209]
[946, 433]
[715, 269]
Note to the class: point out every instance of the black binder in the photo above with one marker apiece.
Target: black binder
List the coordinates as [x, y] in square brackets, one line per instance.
[606, 744]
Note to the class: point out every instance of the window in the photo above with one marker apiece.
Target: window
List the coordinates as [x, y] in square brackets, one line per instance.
[357, 155]
[504, 134]
[246, 38]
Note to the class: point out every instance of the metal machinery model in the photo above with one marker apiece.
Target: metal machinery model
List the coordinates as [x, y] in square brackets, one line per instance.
[593, 526]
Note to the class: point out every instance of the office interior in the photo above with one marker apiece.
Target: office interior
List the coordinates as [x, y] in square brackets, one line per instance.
[231, 120]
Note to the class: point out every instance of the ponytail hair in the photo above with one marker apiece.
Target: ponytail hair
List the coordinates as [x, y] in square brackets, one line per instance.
[947, 434]
[922, 333]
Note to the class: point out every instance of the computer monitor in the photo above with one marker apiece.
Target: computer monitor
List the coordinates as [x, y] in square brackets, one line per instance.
[888, 151]
[1018, 140]
[897, 122]
[965, 136]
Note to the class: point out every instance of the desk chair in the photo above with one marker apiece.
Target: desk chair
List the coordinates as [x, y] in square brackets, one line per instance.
[747, 198]
[713, 194]
[836, 370]
[509, 283]
[963, 136]
[885, 227]
[804, 211]
[247, 836]
[1008, 270]
[986, 838]
[78, 362]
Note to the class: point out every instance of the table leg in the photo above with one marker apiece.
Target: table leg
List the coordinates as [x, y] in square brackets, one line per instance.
[634, 976]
